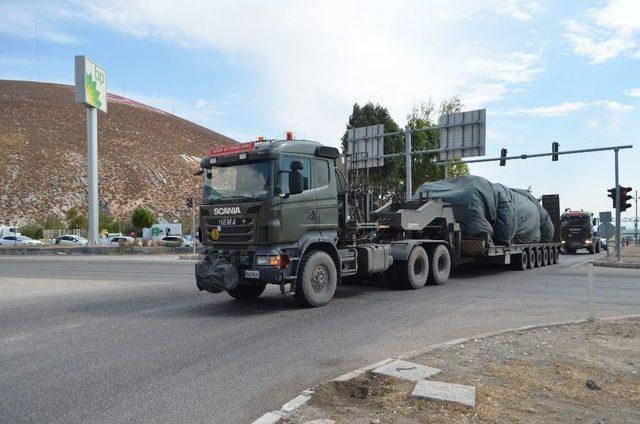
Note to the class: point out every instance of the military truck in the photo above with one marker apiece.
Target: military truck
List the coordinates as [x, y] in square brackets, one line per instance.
[576, 228]
[280, 212]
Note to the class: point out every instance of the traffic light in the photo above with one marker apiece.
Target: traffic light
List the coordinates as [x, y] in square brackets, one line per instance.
[554, 148]
[624, 196]
[612, 195]
[503, 154]
[189, 202]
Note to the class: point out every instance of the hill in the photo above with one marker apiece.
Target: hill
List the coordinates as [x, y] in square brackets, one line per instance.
[43, 151]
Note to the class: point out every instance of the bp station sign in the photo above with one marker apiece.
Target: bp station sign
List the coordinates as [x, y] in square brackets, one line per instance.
[91, 84]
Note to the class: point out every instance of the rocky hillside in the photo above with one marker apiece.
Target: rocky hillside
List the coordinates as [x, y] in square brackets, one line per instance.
[43, 154]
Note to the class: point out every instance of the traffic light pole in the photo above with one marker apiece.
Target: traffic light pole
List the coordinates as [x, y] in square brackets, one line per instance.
[618, 206]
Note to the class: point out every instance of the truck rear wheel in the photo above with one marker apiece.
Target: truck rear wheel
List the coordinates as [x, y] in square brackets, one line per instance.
[556, 256]
[538, 255]
[440, 265]
[413, 273]
[317, 279]
[247, 292]
[545, 256]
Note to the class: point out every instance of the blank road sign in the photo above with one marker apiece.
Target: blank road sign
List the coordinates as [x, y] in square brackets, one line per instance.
[606, 230]
[362, 147]
[463, 134]
[605, 216]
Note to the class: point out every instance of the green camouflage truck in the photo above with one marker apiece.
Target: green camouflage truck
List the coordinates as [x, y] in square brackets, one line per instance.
[278, 212]
[576, 228]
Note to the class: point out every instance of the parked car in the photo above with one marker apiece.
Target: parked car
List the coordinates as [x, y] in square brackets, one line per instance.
[176, 240]
[71, 239]
[18, 240]
[118, 240]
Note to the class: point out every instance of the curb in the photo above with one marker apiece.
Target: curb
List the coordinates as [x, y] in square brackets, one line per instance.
[626, 265]
[289, 408]
[92, 251]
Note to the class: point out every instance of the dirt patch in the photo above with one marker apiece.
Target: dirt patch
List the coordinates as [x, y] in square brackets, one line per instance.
[536, 376]
[629, 254]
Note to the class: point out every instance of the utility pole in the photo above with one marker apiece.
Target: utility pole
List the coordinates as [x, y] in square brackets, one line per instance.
[635, 226]
[618, 207]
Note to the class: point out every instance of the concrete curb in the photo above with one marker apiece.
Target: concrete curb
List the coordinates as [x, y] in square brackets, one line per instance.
[289, 408]
[626, 265]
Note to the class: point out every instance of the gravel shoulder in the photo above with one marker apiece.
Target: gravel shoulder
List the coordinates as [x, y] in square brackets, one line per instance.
[537, 375]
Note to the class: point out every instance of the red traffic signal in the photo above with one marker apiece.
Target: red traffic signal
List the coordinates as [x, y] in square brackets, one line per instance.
[624, 196]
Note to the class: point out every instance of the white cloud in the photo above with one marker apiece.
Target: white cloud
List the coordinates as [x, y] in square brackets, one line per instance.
[633, 92]
[564, 108]
[607, 32]
[315, 59]
[18, 20]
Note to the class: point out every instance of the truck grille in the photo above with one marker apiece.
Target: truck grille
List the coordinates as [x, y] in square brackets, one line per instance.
[230, 234]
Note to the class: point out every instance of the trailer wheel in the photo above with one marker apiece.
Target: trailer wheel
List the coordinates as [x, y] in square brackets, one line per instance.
[247, 292]
[317, 279]
[440, 265]
[538, 263]
[556, 255]
[520, 261]
[545, 256]
[532, 258]
[413, 273]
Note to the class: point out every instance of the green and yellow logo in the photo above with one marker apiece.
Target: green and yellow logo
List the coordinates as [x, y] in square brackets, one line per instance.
[93, 94]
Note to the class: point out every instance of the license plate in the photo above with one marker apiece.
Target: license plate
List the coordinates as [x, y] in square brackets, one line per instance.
[249, 273]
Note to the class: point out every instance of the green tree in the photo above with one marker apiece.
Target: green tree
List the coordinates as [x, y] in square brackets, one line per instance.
[142, 218]
[53, 222]
[77, 219]
[424, 167]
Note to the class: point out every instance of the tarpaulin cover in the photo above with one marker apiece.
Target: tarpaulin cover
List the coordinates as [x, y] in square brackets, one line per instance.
[493, 211]
[216, 276]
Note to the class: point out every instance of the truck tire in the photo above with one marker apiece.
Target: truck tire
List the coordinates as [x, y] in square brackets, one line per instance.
[597, 246]
[532, 258]
[440, 266]
[246, 292]
[556, 256]
[520, 261]
[538, 263]
[317, 279]
[414, 272]
[545, 256]
[591, 249]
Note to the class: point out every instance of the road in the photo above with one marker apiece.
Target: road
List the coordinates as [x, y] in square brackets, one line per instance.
[130, 339]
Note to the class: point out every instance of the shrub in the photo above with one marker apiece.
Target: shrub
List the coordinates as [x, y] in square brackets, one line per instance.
[32, 230]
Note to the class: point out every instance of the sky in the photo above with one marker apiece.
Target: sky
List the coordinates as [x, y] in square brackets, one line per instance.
[545, 70]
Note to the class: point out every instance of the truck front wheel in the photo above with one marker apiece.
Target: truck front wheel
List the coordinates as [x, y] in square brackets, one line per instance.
[440, 265]
[317, 279]
[413, 273]
[247, 292]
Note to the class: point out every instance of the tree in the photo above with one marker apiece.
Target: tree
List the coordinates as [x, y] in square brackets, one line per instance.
[77, 219]
[142, 218]
[424, 167]
[32, 230]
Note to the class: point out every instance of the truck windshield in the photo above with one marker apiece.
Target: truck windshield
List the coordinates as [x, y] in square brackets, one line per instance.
[575, 221]
[238, 182]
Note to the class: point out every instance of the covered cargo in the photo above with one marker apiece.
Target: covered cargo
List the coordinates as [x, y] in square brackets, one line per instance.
[492, 211]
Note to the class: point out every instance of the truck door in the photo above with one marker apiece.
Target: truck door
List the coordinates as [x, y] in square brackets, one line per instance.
[325, 188]
[299, 213]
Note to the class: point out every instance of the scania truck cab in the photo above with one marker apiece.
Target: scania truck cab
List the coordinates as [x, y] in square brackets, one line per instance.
[577, 232]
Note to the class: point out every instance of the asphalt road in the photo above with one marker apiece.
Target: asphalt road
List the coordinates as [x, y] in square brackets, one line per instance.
[130, 339]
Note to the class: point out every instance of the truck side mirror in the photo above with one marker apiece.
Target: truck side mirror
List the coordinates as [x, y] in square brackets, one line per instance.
[296, 182]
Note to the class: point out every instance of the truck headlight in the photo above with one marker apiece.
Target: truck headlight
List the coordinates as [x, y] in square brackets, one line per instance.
[280, 261]
[587, 241]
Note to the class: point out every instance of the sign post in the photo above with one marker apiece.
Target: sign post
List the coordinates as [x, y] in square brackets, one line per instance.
[91, 90]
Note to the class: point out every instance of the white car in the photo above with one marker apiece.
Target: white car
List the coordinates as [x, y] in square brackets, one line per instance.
[70, 239]
[18, 240]
[117, 241]
[177, 240]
